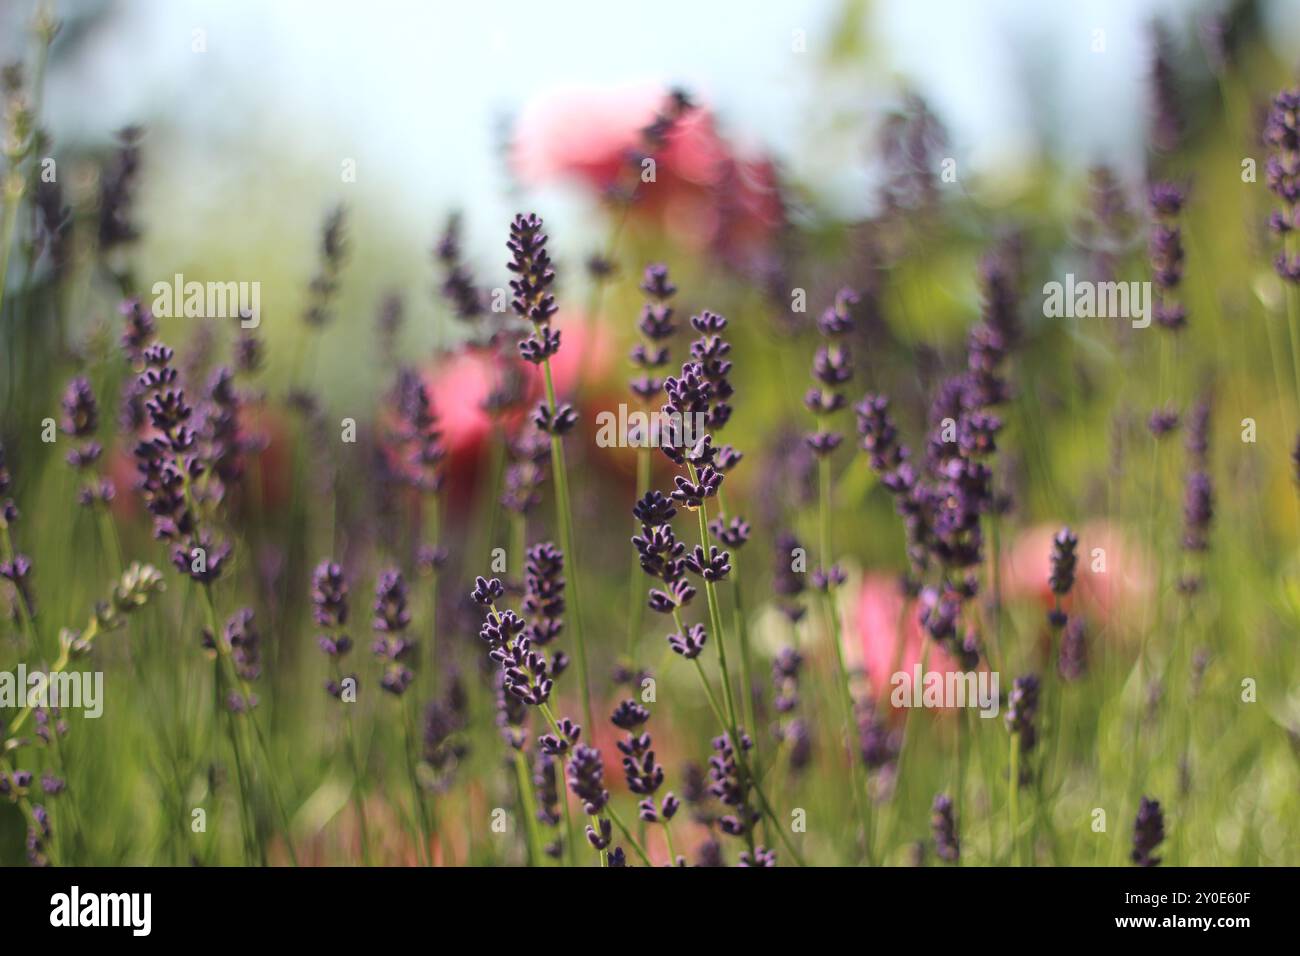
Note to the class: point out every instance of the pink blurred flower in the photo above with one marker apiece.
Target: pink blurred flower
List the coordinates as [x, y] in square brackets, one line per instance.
[705, 192]
[1125, 581]
[881, 625]
[459, 385]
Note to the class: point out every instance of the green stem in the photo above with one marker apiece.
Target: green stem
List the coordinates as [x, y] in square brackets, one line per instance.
[842, 671]
[529, 809]
[627, 834]
[1013, 781]
[358, 777]
[742, 632]
[13, 193]
[635, 594]
[413, 777]
[563, 506]
[223, 654]
[1292, 312]
[740, 757]
[562, 784]
[25, 615]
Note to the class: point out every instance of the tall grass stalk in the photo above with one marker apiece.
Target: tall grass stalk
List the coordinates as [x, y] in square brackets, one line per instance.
[564, 513]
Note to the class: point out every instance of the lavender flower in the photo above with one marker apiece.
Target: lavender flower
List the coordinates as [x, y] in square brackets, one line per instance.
[1072, 660]
[512, 711]
[534, 276]
[390, 621]
[544, 593]
[946, 844]
[643, 773]
[587, 778]
[39, 834]
[1022, 711]
[1198, 511]
[527, 674]
[324, 284]
[139, 329]
[222, 432]
[727, 785]
[1165, 248]
[1282, 173]
[787, 583]
[458, 287]
[879, 743]
[416, 444]
[832, 369]
[762, 857]
[656, 327]
[1064, 562]
[1148, 833]
[546, 786]
[245, 644]
[1162, 422]
[524, 475]
[689, 644]
[117, 191]
[443, 745]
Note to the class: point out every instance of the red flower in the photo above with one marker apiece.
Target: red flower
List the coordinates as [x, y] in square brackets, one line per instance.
[704, 191]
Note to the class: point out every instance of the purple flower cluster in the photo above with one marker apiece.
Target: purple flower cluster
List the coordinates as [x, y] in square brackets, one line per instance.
[526, 672]
[458, 286]
[586, 775]
[225, 444]
[1022, 712]
[727, 784]
[789, 727]
[528, 455]
[878, 741]
[660, 553]
[80, 421]
[544, 593]
[1165, 248]
[643, 773]
[443, 743]
[942, 507]
[832, 370]
[245, 643]
[416, 442]
[787, 583]
[1148, 833]
[1064, 563]
[169, 464]
[533, 300]
[656, 327]
[392, 616]
[15, 568]
[117, 189]
[546, 787]
[944, 826]
[324, 284]
[1282, 173]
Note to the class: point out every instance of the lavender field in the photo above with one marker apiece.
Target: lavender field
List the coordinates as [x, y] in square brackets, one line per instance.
[670, 498]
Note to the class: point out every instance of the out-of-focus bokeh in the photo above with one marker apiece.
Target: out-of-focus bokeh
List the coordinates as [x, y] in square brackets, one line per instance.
[254, 111]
